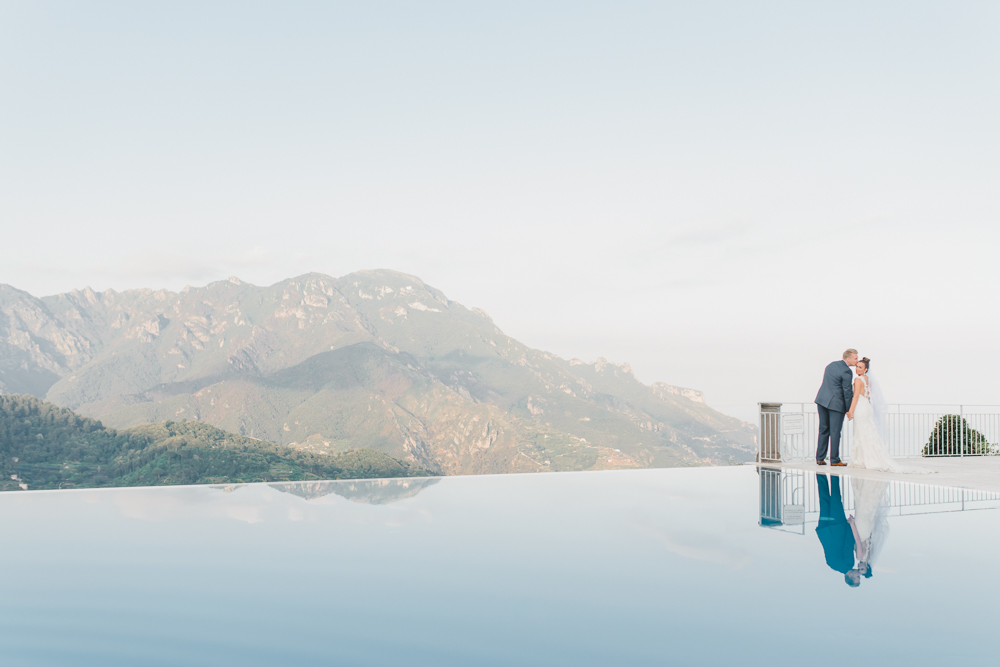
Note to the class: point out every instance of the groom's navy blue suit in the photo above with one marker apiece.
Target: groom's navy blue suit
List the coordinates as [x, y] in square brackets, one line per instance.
[832, 402]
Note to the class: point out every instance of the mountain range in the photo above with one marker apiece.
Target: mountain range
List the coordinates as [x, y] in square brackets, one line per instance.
[374, 359]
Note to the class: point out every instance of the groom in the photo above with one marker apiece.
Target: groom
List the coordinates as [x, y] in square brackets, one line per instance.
[832, 402]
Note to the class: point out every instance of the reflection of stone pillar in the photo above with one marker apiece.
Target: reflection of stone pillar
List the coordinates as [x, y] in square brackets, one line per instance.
[770, 432]
[770, 496]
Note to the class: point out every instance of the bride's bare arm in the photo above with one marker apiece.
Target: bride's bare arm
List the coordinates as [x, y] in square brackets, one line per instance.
[858, 386]
[859, 545]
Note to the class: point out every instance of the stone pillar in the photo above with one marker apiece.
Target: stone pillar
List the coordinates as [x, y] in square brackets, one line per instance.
[770, 433]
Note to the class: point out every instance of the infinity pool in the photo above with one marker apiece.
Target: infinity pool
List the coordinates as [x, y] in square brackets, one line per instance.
[654, 567]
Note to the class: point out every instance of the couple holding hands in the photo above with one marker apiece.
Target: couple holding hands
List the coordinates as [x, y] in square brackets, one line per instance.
[857, 397]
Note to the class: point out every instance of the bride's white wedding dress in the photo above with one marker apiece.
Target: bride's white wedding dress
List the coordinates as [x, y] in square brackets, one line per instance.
[868, 451]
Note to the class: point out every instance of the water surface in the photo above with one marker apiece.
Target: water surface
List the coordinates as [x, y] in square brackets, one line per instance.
[650, 567]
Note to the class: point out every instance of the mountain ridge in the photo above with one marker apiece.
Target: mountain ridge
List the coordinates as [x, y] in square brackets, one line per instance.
[372, 359]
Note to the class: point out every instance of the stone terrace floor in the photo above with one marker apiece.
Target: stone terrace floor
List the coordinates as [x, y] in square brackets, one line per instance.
[971, 472]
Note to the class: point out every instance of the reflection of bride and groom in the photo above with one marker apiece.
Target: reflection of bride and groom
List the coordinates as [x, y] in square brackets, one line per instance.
[860, 536]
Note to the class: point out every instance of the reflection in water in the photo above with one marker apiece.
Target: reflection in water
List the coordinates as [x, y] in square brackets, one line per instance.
[639, 568]
[254, 503]
[367, 491]
[860, 537]
[770, 496]
[833, 529]
[870, 524]
[851, 514]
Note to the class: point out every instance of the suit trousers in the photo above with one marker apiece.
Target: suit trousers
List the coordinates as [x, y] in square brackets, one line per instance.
[831, 423]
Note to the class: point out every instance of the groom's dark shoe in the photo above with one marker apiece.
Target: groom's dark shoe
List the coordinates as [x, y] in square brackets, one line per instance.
[839, 464]
[821, 462]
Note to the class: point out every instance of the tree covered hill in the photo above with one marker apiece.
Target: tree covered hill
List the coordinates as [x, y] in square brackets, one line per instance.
[43, 446]
[374, 359]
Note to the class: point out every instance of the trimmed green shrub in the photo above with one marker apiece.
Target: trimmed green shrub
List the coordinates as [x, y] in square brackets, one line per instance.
[952, 436]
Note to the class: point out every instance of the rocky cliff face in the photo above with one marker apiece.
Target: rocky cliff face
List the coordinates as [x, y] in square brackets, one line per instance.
[373, 359]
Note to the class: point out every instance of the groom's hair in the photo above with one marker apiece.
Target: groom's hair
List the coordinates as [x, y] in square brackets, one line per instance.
[849, 351]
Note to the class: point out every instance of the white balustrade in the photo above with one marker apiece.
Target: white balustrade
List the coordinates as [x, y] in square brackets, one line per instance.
[913, 431]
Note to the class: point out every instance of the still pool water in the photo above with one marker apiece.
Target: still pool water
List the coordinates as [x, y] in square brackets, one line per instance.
[651, 567]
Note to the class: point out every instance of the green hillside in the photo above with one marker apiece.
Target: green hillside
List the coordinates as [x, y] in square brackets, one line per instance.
[43, 446]
[374, 359]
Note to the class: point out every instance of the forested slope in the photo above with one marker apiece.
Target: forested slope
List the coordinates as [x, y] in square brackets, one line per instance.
[43, 446]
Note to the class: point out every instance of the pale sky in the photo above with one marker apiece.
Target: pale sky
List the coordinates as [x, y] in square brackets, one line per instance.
[724, 195]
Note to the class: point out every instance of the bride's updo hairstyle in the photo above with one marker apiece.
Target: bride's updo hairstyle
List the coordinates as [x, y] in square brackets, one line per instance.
[867, 362]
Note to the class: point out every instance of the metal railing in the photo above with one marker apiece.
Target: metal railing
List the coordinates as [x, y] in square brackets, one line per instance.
[789, 499]
[790, 431]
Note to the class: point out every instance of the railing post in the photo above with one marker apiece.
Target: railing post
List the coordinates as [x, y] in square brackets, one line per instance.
[961, 430]
[770, 433]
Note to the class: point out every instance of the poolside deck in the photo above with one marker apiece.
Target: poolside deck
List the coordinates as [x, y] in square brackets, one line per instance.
[971, 472]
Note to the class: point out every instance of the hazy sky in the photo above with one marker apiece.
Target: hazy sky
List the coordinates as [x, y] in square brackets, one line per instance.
[724, 195]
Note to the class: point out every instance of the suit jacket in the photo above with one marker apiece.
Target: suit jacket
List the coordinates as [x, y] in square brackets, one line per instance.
[837, 390]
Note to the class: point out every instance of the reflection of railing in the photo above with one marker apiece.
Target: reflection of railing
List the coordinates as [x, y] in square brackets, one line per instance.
[789, 431]
[790, 498]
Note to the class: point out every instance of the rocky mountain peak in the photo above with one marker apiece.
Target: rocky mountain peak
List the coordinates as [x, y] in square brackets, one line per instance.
[374, 358]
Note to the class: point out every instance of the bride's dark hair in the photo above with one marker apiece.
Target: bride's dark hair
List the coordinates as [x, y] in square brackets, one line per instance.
[867, 362]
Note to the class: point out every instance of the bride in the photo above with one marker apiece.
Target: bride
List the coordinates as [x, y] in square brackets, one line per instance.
[868, 449]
